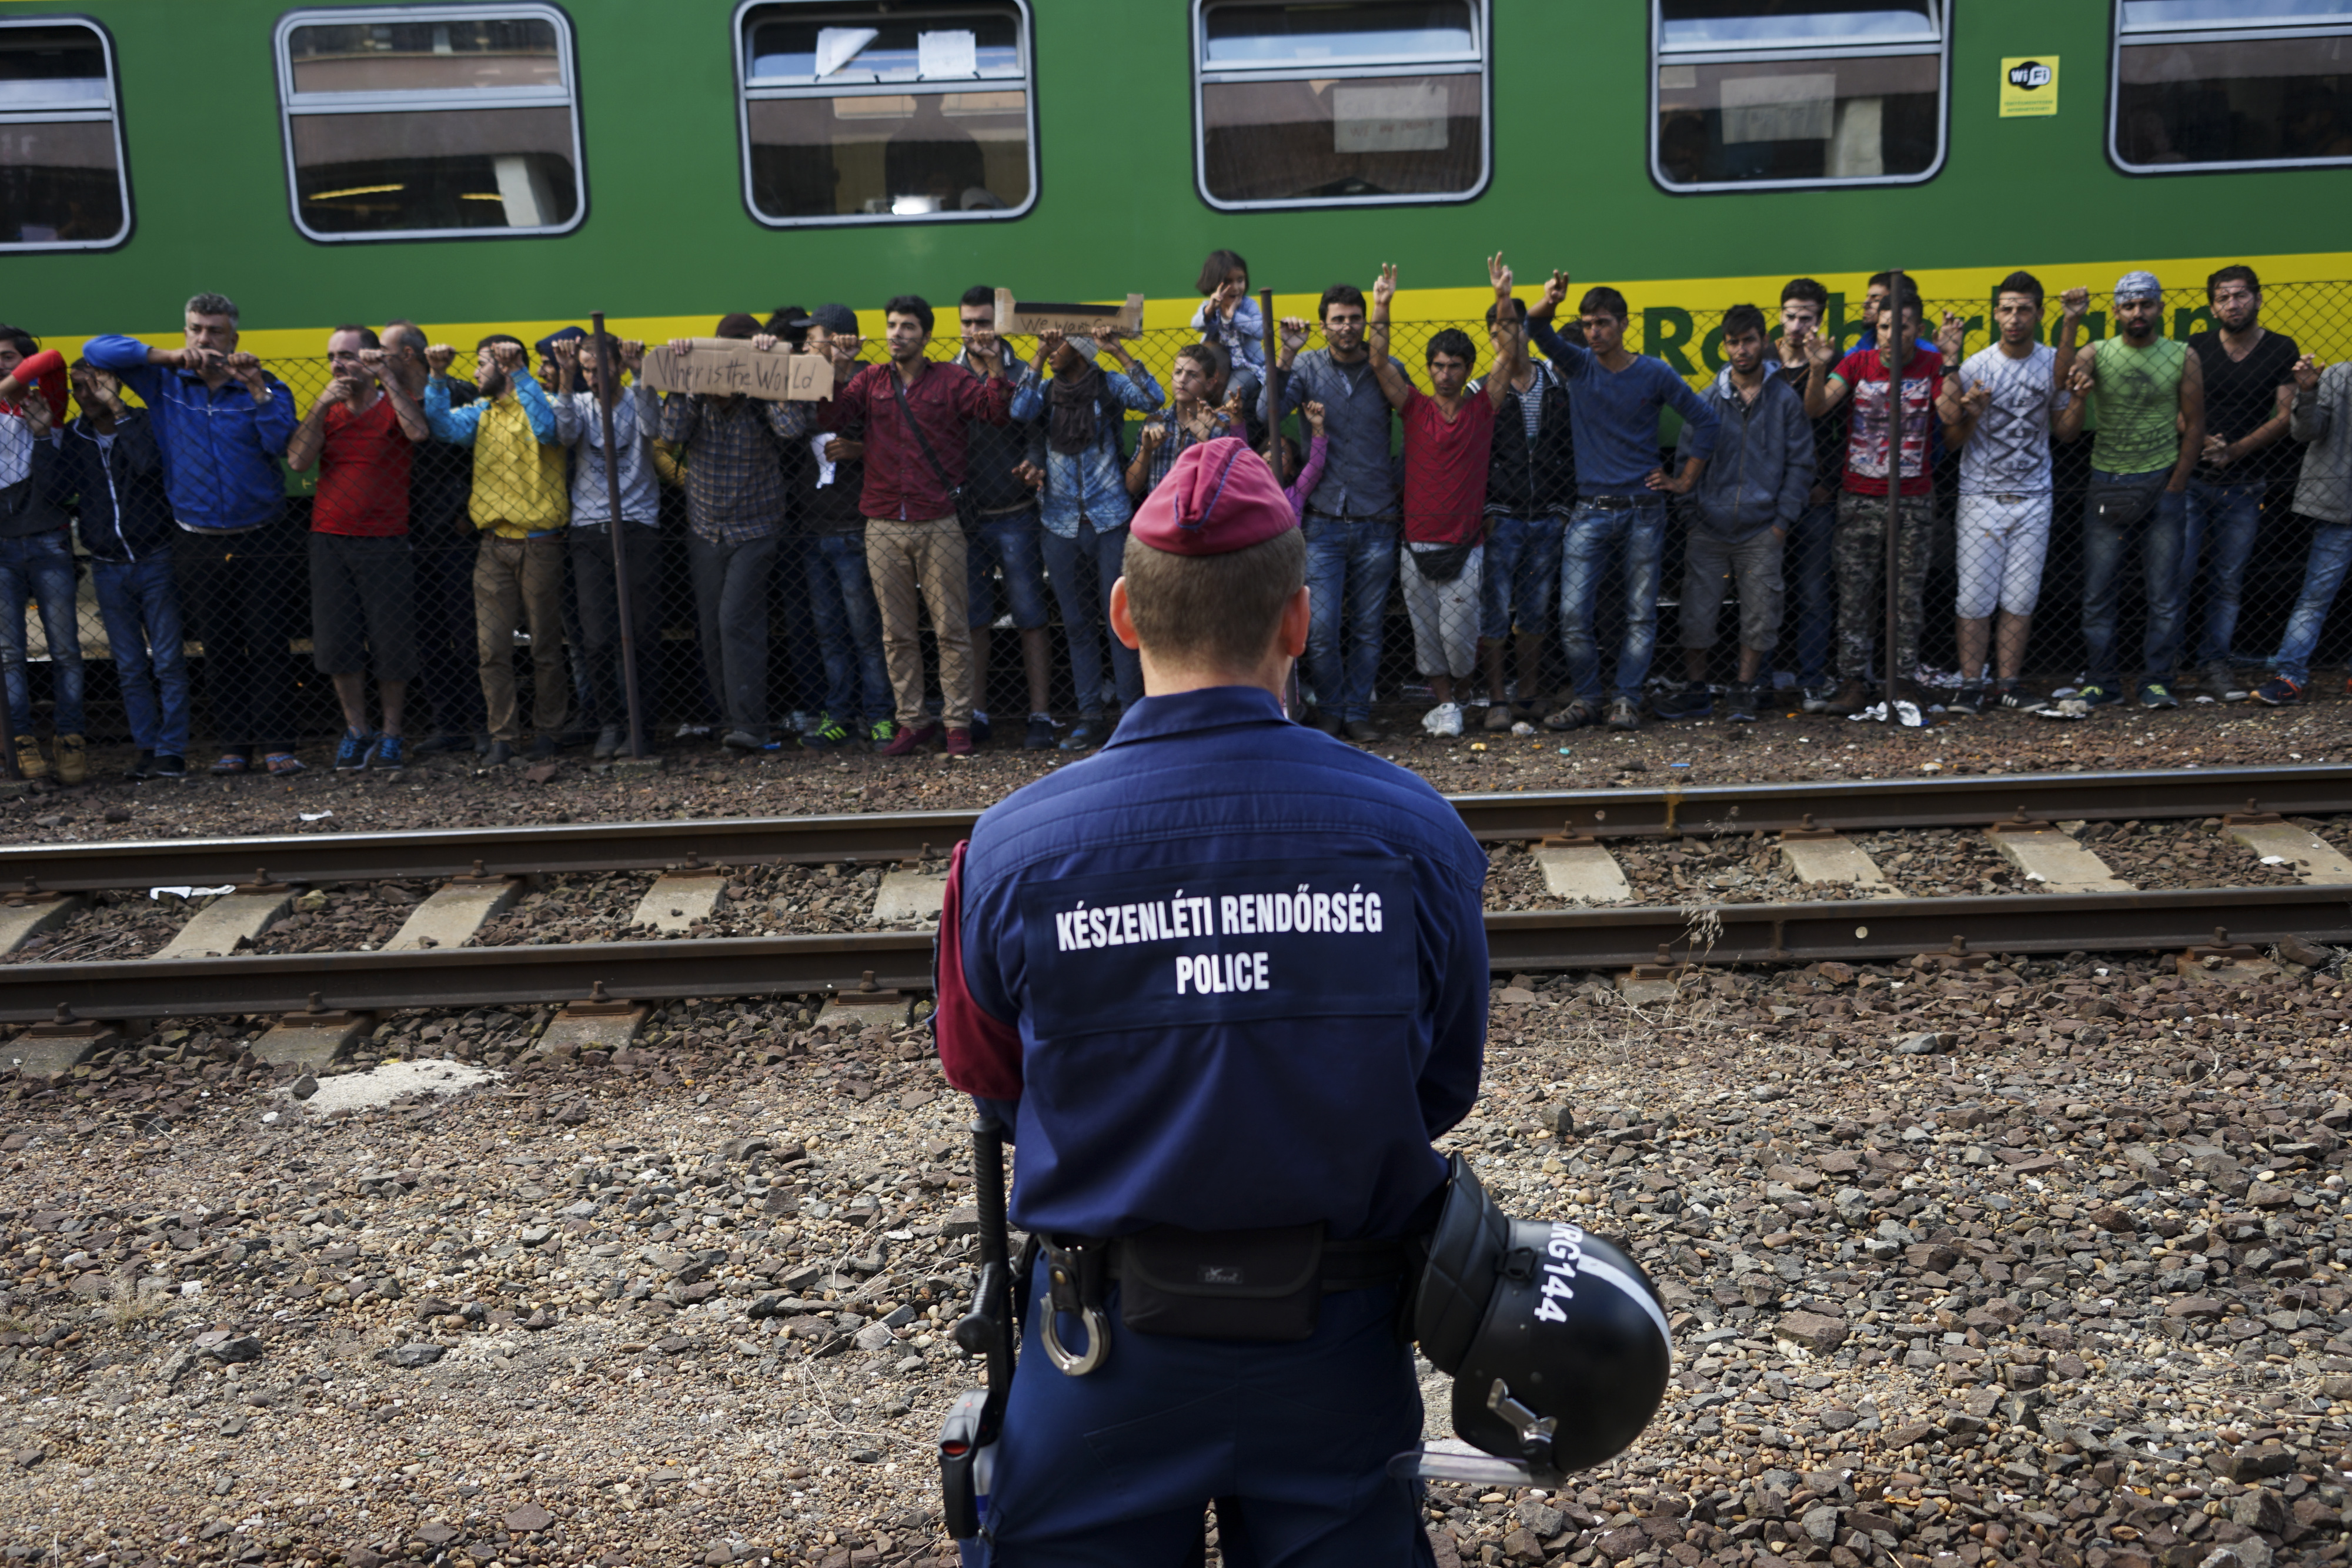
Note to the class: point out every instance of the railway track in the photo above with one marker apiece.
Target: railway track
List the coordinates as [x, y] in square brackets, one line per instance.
[576, 848]
[1572, 831]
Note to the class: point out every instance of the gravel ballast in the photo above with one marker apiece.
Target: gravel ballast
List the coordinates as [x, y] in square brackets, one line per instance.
[2034, 1263]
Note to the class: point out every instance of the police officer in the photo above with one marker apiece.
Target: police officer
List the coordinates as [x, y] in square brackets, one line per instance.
[1223, 981]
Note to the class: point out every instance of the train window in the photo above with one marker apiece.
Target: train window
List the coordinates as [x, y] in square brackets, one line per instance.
[1362, 102]
[409, 122]
[886, 112]
[2231, 84]
[1772, 94]
[62, 185]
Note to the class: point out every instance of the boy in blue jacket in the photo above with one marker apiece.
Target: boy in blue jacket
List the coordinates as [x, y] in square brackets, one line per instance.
[1751, 496]
[113, 469]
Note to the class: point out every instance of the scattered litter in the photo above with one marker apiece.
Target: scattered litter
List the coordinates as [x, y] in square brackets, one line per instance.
[1563, 751]
[1522, 728]
[191, 1287]
[314, 816]
[190, 892]
[1678, 765]
[381, 1084]
[2204, 699]
[1906, 714]
[269, 1115]
[2065, 707]
[1477, 746]
[2274, 859]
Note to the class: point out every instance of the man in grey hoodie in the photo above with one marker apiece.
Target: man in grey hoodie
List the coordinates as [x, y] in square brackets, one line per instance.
[1752, 493]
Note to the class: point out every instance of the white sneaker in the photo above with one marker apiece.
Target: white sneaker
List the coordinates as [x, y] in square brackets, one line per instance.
[1444, 720]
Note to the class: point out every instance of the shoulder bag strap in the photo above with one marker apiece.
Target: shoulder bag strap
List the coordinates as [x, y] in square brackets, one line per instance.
[907, 411]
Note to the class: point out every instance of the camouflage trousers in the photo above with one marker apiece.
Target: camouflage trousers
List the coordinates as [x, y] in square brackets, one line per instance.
[1860, 550]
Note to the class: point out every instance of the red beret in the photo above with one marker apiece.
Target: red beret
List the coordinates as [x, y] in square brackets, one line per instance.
[1218, 497]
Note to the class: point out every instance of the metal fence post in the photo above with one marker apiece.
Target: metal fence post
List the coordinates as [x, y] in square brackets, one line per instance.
[608, 388]
[1890, 354]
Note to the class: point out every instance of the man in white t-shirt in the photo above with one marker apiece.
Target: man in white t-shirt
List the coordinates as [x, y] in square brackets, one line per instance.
[1998, 411]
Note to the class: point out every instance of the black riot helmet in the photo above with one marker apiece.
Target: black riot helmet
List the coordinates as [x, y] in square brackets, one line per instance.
[1557, 1344]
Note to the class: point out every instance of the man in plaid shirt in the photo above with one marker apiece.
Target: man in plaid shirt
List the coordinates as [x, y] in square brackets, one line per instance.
[735, 517]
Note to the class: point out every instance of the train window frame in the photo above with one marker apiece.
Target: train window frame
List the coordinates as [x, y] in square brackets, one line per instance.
[2252, 30]
[1479, 62]
[747, 92]
[1661, 56]
[88, 111]
[292, 105]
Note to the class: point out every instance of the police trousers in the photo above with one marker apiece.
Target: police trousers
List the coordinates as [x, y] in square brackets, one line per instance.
[1292, 1440]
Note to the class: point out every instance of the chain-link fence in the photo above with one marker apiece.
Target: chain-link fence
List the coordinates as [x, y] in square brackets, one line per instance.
[193, 597]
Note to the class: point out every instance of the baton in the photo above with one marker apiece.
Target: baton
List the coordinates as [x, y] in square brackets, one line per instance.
[977, 1419]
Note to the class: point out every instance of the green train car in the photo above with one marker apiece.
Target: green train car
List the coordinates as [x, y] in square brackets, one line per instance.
[522, 162]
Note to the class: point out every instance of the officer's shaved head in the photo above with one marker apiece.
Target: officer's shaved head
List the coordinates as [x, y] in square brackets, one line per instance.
[1216, 610]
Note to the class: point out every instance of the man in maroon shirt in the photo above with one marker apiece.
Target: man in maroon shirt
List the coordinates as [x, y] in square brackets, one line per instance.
[914, 413]
[362, 579]
[1448, 437]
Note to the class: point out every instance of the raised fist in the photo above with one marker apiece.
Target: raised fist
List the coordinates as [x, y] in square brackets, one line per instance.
[438, 358]
[2076, 300]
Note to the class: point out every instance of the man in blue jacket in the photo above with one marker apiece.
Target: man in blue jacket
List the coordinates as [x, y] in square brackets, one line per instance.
[1084, 504]
[222, 424]
[114, 468]
[1752, 493]
[1614, 396]
[1215, 1017]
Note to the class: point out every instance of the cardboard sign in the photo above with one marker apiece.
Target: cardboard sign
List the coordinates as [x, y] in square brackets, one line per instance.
[719, 367]
[2028, 86]
[1026, 319]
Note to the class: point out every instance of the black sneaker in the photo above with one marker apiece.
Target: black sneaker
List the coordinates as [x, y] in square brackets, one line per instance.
[981, 729]
[2018, 697]
[543, 748]
[829, 734]
[166, 766]
[144, 767]
[1683, 700]
[1040, 733]
[497, 756]
[2156, 694]
[1973, 697]
[1743, 702]
[351, 751]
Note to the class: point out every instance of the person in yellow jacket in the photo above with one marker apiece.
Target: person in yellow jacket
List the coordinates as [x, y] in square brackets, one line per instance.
[520, 506]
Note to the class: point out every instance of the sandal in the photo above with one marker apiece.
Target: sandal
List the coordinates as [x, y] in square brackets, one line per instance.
[284, 762]
[232, 762]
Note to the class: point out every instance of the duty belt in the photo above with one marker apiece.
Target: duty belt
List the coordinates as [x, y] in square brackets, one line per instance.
[1079, 1270]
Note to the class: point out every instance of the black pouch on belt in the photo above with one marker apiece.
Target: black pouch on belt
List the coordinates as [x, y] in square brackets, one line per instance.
[1262, 1285]
[2122, 503]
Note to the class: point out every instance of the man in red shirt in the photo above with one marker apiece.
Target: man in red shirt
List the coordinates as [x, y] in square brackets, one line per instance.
[916, 415]
[1860, 542]
[1448, 437]
[362, 579]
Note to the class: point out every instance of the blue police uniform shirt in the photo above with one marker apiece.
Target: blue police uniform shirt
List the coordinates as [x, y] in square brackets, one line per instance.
[1227, 972]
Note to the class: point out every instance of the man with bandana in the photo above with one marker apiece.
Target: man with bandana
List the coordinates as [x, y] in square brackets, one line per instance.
[2149, 392]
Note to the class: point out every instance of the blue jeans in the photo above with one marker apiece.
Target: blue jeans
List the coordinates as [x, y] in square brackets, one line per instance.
[2233, 512]
[1522, 583]
[1637, 536]
[2323, 574]
[2104, 545]
[849, 627]
[1011, 543]
[140, 603]
[1082, 569]
[40, 566]
[1350, 565]
[1812, 569]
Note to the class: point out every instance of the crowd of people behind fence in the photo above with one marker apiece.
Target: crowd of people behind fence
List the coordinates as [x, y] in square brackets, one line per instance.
[988, 487]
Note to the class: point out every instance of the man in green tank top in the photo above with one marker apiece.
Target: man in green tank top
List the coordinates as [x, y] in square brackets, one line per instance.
[2147, 394]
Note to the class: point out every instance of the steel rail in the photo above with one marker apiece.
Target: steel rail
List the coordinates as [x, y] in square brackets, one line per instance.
[577, 848]
[1608, 938]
